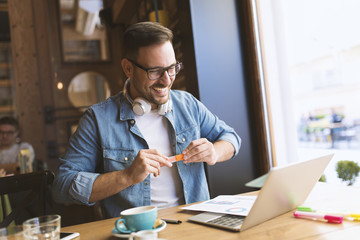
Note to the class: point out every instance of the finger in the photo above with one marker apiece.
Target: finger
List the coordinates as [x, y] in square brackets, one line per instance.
[154, 155]
[156, 163]
[195, 147]
[198, 156]
[146, 159]
[165, 162]
[162, 160]
[155, 171]
[151, 167]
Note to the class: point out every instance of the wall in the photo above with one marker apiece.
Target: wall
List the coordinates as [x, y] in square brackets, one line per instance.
[45, 112]
[222, 86]
[32, 71]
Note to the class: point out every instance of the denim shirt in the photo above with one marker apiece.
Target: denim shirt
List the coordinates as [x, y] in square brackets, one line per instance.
[108, 139]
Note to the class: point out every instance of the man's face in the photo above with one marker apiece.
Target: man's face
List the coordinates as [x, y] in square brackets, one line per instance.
[155, 91]
[8, 134]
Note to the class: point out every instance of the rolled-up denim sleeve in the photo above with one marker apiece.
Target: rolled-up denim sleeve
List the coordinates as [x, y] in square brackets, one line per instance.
[232, 138]
[81, 186]
[77, 170]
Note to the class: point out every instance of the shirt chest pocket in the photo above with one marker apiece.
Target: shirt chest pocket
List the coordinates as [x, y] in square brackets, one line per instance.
[117, 159]
[186, 136]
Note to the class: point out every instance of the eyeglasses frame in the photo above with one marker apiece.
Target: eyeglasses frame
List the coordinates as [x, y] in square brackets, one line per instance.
[163, 68]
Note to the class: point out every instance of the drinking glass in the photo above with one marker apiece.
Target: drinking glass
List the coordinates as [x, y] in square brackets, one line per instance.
[43, 228]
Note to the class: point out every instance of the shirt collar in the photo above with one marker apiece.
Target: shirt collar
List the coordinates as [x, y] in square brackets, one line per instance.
[126, 112]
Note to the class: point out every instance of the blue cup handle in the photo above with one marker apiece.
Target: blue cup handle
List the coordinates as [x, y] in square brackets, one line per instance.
[121, 227]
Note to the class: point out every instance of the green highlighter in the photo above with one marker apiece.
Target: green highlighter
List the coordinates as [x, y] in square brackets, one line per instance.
[305, 209]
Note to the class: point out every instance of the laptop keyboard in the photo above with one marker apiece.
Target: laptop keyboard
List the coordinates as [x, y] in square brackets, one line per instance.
[228, 220]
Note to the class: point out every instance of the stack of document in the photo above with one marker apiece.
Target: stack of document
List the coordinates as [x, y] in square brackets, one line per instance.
[228, 204]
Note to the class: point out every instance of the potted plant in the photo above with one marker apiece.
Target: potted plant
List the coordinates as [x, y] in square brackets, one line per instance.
[348, 171]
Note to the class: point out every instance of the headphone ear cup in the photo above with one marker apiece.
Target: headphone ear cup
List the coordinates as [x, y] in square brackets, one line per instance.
[141, 106]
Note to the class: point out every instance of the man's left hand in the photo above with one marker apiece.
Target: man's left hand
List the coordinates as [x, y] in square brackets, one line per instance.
[200, 150]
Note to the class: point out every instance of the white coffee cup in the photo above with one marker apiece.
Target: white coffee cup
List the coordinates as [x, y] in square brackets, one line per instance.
[144, 235]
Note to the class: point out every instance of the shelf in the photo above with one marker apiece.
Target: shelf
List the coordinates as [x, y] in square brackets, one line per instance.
[5, 65]
[6, 109]
[5, 83]
[3, 6]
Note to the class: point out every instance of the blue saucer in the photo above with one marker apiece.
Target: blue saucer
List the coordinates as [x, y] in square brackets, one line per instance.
[116, 233]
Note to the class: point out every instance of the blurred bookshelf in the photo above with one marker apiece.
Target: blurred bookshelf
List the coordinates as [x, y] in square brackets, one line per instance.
[7, 88]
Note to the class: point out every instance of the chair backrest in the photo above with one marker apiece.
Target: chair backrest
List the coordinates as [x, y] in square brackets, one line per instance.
[32, 187]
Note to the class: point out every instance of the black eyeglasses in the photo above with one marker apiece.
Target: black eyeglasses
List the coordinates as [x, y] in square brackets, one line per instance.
[157, 72]
[7, 133]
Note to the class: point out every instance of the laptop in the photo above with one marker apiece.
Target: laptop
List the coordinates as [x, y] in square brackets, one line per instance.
[285, 188]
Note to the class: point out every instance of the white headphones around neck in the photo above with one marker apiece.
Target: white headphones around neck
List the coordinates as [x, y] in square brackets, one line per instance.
[141, 106]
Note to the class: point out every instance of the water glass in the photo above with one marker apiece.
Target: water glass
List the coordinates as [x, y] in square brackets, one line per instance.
[43, 228]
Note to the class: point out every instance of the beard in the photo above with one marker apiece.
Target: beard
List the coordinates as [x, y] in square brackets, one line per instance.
[147, 95]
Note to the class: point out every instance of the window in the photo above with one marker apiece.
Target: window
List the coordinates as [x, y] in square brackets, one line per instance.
[311, 54]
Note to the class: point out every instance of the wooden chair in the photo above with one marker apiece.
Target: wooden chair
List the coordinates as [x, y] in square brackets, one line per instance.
[33, 189]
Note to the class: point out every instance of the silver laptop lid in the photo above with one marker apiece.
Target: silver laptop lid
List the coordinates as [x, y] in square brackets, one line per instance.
[285, 188]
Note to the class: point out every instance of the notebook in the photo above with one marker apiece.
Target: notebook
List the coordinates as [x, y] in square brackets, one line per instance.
[285, 188]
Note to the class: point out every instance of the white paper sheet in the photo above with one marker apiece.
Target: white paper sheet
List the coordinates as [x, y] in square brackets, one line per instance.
[334, 198]
[228, 204]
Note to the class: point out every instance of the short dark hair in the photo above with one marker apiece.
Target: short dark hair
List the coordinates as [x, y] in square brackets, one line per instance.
[9, 121]
[144, 34]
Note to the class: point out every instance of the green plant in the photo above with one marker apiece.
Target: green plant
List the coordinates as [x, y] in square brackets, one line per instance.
[348, 171]
[322, 178]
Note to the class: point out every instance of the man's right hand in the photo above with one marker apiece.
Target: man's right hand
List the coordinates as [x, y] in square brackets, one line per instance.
[146, 162]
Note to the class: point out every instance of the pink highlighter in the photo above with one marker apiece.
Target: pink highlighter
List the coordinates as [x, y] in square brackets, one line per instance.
[318, 216]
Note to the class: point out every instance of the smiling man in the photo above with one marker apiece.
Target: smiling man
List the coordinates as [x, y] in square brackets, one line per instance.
[119, 154]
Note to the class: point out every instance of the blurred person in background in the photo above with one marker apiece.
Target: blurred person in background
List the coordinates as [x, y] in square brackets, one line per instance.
[10, 146]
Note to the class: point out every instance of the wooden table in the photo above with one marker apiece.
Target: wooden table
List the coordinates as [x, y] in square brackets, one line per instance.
[282, 227]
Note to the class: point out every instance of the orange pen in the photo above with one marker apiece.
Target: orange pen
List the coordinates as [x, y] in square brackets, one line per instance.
[176, 158]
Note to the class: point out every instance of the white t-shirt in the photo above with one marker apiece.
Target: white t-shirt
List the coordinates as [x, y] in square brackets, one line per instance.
[11, 155]
[166, 189]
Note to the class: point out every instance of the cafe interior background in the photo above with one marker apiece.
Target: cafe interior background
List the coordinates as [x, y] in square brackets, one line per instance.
[273, 73]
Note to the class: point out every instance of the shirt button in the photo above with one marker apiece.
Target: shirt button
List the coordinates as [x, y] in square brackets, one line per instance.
[132, 122]
[125, 158]
[146, 183]
[183, 139]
